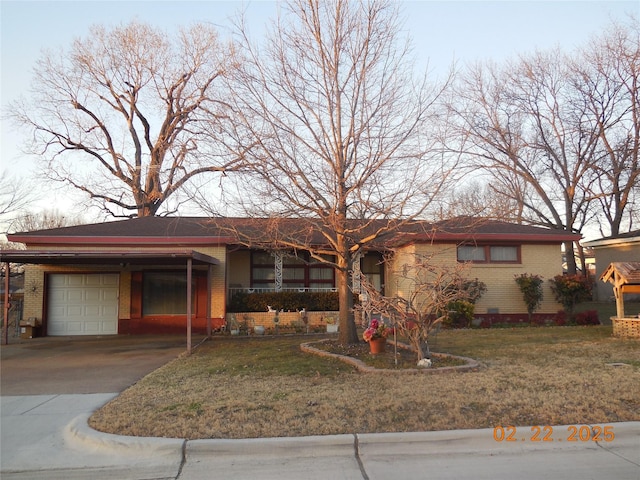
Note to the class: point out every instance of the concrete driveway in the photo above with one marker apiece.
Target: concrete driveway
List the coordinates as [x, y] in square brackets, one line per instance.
[80, 365]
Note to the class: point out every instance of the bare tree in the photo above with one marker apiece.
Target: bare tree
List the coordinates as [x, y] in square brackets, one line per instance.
[30, 221]
[342, 132]
[16, 194]
[608, 78]
[486, 200]
[129, 116]
[566, 126]
[429, 287]
[525, 120]
[45, 220]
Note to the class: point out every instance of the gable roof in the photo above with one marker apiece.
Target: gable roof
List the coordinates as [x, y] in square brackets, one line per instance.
[234, 230]
[622, 272]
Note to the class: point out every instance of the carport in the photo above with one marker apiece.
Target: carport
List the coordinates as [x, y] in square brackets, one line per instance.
[174, 257]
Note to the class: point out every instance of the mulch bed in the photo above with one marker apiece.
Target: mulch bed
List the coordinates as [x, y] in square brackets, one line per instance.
[406, 359]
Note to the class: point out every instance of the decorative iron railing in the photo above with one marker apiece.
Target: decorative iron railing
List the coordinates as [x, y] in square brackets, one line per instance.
[233, 290]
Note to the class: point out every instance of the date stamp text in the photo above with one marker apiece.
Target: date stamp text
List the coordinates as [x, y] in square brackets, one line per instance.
[570, 433]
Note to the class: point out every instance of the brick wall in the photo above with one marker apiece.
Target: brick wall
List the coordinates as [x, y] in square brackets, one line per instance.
[266, 319]
[502, 294]
[218, 280]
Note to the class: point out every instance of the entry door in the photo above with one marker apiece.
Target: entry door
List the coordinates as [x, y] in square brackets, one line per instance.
[82, 304]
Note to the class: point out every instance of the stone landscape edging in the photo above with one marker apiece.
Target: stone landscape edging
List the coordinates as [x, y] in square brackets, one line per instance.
[472, 365]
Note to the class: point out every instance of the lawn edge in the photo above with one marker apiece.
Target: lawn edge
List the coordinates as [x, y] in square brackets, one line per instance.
[471, 366]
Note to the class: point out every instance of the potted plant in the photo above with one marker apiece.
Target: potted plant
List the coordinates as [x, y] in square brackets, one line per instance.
[376, 335]
[332, 325]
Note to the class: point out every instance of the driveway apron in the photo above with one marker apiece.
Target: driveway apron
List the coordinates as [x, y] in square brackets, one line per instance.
[77, 365]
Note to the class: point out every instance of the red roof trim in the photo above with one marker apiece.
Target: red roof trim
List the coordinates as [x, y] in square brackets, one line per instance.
[180, 240]
[496, 237]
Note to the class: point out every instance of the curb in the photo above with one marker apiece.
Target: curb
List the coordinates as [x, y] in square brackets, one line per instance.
[79, 434]
[482, 441]
[444, 442]
[299, 447]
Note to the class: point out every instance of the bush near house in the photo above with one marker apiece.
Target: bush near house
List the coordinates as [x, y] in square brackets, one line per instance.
[460, 312]
[287, 301]
[531, 288]
[560, 318]
[585, 318]
[570, 290]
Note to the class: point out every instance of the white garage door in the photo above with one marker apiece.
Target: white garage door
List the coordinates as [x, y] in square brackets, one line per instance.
[82, 304]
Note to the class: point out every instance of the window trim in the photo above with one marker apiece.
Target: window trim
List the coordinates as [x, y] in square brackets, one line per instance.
[487, 254]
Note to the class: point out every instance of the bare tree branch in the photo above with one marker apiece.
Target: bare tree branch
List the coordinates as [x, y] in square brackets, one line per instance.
[16, 195]
[420, 306]
[129, 116]
[565, 125]
[340, 130]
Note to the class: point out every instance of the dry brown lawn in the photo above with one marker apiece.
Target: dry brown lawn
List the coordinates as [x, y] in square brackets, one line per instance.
[267, 387]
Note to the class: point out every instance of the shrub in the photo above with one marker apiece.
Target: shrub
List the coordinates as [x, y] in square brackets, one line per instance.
[287, 301]
[531, 288]
[569, 290]
[474, 289]
[460, 314]
[588, 317]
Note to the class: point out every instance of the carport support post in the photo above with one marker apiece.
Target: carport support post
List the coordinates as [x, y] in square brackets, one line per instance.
[5, 324]
[209, 282]
[189, 279]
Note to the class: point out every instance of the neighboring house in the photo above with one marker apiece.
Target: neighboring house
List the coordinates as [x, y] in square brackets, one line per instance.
[620, 248]
[132, 276]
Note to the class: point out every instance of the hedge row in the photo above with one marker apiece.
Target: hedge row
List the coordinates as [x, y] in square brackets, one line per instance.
[287, 301]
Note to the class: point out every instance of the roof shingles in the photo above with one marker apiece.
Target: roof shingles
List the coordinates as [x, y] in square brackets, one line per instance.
[239, 230]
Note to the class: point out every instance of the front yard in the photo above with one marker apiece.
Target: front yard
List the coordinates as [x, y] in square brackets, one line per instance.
[267, 387]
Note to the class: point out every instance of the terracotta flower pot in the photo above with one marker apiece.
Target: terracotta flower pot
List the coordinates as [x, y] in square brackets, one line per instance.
[377, 345]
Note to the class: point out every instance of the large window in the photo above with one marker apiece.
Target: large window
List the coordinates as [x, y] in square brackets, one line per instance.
[165, 293]
[373, 269]
[263, 273]
[299, 271]
[321, 275]
[489, 253]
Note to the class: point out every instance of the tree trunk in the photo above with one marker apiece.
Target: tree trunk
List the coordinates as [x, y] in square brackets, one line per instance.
[347, 333]
[583, 260]
[570, 258]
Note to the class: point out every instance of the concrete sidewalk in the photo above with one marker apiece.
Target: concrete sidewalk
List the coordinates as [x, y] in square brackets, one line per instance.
[37, 442]
[47, 436]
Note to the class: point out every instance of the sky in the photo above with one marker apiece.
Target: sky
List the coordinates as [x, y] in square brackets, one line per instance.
[442, 32]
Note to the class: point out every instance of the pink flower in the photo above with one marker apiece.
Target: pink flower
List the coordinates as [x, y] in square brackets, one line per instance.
[376, 329]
